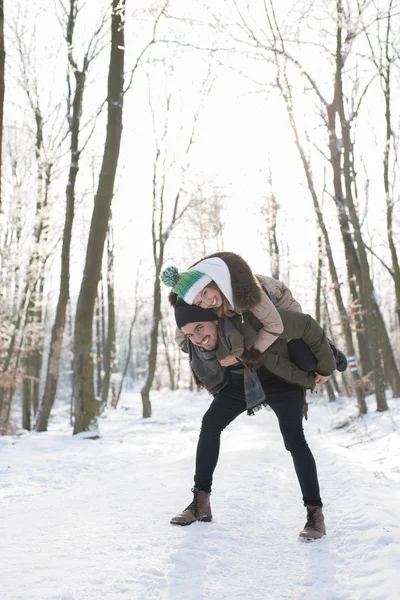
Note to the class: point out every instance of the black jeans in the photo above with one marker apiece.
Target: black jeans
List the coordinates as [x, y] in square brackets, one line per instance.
[300, 354]
[287, 401]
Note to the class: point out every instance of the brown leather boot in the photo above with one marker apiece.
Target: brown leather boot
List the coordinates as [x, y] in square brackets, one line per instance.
[315, 525]
[198, 510]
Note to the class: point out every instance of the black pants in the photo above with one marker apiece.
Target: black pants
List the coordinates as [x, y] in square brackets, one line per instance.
[300, 354]
[287, 402]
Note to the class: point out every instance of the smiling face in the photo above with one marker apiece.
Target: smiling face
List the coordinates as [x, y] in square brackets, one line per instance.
[203, 334]
[209, 297]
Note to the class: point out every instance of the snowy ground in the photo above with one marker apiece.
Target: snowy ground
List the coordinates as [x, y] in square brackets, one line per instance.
[89, 520]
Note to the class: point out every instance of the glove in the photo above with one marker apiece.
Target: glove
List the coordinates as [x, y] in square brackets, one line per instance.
[251, 358]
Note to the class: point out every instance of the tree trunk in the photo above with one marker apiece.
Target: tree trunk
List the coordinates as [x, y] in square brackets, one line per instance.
[152, 358]
[170, 366]
[362, 406]
[57, 333]
[272, 213]
[359, 264]
[319, 282]
[26, 396]
[109, 358]
[86, 406]
[330, 390]
[385, 74]
[98, 346]
[352, 261]
[2, 89]
[129, 354]
[388, 359]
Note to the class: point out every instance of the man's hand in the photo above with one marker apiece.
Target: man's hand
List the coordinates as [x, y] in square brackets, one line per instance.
[321, 378]
[228, 361]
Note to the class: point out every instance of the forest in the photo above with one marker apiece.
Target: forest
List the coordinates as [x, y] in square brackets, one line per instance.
[140, 135]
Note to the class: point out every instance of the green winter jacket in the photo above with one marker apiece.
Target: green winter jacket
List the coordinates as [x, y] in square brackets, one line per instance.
[297, 325]
[276, 357]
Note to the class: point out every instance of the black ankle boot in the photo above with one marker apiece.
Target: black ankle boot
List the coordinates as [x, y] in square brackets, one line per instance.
[341, 360]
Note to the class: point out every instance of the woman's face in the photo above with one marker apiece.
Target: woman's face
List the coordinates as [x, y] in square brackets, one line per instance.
[208, 298]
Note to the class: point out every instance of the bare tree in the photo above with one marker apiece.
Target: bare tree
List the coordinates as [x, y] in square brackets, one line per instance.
[162, 224]
[2, 88]
[86, 405]
[285, 89]
[110, 350]
[359, 278]
[383, 62]
[270, 213]
[136, 312]
[74, 115]
[202, 226]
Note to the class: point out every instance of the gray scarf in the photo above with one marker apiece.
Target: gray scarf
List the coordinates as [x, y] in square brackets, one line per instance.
[209, 372]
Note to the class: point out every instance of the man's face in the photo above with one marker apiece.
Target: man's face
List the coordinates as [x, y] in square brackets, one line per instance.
[203, 334]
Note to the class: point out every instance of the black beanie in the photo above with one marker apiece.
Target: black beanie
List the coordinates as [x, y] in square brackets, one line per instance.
[190, 313]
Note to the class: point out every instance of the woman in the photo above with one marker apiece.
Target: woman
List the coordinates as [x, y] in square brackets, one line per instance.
[224, 281]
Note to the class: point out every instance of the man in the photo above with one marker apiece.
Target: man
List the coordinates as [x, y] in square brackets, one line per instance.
[214, 347]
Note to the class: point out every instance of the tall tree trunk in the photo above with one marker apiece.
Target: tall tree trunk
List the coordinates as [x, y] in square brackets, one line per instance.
[37, 353]
[344, 317]
[27, 395]
[386, 350]
[360, 267]
[319, 281]
[103, 337]
[2, 89]
[170, 366]
[272, 214]
[352, 261]
[98, 345]
[86, 406]
[109, 358]
[129, 353]
[57, 333]
[385, 73]
[152, 357]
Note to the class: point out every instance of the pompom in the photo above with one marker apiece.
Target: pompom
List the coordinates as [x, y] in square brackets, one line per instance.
[170, 276]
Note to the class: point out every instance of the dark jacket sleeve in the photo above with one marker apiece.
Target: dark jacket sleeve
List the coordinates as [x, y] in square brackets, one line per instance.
[302, 326]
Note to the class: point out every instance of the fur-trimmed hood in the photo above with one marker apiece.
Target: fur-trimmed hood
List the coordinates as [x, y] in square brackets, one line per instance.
[246, 289]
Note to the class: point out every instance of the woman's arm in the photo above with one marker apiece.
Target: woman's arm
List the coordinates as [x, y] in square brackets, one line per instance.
[282, 293]
[271, 322]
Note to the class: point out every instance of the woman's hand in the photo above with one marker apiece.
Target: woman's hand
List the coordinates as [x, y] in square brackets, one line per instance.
[321, 378]
[228, 361]
[252, 359]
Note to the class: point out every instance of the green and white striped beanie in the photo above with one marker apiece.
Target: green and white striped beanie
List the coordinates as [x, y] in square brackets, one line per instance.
[187, 284]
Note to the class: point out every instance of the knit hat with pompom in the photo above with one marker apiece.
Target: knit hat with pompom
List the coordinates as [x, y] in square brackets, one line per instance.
[187, 284]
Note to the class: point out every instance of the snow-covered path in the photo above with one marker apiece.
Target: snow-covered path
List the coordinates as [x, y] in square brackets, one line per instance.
[89, 520]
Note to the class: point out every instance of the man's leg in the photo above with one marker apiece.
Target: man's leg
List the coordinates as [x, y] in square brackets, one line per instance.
[225, 407]
[287, 401]
[228, 404]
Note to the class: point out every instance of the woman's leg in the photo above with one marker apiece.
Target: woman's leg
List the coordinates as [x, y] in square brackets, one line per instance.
[287, 401]
[228, 404]
[300, 354]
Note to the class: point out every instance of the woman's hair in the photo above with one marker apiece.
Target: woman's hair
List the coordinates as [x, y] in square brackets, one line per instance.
[223, 310]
